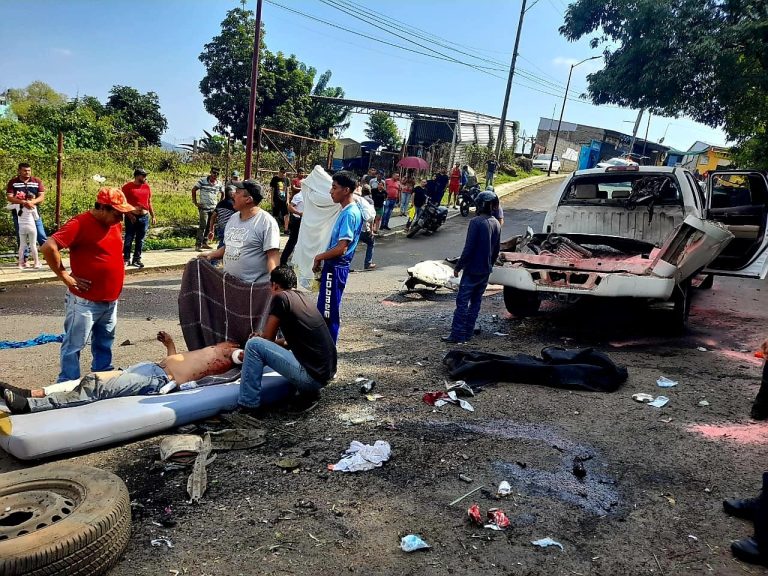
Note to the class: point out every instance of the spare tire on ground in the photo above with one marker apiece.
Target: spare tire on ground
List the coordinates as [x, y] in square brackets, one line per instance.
[62, 518]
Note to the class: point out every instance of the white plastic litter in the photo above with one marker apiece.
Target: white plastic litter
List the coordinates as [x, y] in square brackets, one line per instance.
[504, 489]
[664, 382]
[659, 402]
[453, 399]
[545, 542]
[703, 403]
[411, 543]
[642, 397]
[361, 457]
[501, 333]
[702, 349]
[161, 541]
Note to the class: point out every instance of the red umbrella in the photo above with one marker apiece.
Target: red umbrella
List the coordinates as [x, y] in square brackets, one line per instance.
[413, 162]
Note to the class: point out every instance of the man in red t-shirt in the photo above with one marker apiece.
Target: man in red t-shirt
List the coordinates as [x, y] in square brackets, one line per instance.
[137, 194]
[95, 244]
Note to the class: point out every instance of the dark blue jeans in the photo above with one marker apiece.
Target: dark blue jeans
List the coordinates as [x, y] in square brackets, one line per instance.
[135, 230]
[333, 280]
[389, 205]
[468, 301]
[369, 241]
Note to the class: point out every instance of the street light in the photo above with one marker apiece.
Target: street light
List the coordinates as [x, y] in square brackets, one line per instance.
[565, 97]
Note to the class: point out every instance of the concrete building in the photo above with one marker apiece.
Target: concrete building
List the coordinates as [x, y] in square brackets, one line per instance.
[592, 144]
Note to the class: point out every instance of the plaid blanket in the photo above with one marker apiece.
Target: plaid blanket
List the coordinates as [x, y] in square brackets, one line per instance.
[217, 307]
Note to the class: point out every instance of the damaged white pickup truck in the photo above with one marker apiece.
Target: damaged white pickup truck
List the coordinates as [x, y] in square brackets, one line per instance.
[639, 232]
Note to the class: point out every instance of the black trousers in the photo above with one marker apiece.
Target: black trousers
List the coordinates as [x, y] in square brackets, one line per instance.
[294, 224]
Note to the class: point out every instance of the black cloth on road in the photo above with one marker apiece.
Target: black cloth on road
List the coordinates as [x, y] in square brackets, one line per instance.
[577, 369]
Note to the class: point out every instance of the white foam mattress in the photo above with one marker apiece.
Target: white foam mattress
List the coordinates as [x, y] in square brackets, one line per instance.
[66, 430]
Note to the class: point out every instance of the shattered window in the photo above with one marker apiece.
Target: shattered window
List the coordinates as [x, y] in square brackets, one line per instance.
[623, 189]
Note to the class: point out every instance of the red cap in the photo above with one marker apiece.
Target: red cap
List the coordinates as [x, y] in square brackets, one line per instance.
[113, 197]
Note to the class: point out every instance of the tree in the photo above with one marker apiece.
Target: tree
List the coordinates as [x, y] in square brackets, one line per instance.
[284, 85]
[138, 115]
[381, 128]
[80, 124]
[37, 93]
[705, 59]
[323, 117]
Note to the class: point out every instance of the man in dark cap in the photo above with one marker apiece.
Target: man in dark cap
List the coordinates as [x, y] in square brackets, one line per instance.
[251, 237]
[138, 195]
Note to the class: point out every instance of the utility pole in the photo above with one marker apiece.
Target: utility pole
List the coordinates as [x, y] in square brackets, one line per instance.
[254, 85]
[647, 127]
[500, 139]
[634, 132]
[565, 97]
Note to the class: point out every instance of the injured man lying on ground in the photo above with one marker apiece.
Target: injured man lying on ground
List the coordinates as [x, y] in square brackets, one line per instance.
[142, 379]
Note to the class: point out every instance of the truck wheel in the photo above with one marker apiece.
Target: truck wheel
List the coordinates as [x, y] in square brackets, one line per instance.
[413, 230]
[521, 303]
[681, 299]
[464, 208]
[62, 518]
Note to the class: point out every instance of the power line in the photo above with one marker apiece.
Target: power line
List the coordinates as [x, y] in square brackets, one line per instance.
[548, 86]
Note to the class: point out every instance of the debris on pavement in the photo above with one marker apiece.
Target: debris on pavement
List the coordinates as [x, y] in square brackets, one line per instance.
[460, 498]
[440, 398]
[497, 520]
[659, 402]
[126, 343]
[412, 542]
[545, 542]
[373, 397]
[288, 463]
[366, 385]
[465, 478]
[664, 382]
[644, 398]
[197, 483]
[702, 349]
[362, 457]
[475, 516]
[357, 415]
[237, 438]
[504, 489]
[161, 541]
[578, 468]
[166, 518]
[703, 402]
[180, 449]
[460, 387]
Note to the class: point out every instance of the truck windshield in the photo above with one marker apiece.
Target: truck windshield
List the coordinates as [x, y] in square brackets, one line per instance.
[622, 189]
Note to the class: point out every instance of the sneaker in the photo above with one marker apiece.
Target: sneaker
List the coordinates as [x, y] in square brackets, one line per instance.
[137, 264]
[16, 403]
[451, 340]
[371, 266]
[197, 249]
[207, 246]
[259, 412]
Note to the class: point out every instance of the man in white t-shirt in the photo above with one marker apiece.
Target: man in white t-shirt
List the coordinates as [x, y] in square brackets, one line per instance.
[296, 210]
[251, 237]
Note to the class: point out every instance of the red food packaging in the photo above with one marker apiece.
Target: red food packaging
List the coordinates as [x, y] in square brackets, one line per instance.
[759, 354]
[474, 514]
[496, 516]
[432, 397]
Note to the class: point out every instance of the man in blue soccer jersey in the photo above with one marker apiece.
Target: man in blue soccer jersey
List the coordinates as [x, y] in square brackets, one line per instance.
[334, 262]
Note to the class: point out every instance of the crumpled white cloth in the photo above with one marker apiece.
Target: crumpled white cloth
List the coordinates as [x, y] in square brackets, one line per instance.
[361, 457]
[317, 221]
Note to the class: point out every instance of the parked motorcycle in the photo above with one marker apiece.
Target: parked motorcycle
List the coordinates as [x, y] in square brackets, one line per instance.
[467, 197]
[430, 219]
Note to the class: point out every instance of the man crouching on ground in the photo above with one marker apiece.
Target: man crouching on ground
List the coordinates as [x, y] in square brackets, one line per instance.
[306, 356]
[142, 379]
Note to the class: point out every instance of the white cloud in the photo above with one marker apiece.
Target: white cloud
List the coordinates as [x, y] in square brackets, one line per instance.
[560, 61]
[66, 52]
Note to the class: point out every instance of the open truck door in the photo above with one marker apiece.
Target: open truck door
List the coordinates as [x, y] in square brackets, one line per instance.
[738, 199]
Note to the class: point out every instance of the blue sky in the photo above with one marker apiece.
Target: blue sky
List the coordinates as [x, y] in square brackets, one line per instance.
[87, 46]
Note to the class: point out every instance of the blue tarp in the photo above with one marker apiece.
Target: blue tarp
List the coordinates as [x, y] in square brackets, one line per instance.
[42, 339]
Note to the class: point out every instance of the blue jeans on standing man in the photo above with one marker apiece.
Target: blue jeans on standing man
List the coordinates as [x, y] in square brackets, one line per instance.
[389, 205]
[135, 229]
[83, 319]
[468, 301]
[259, 353]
